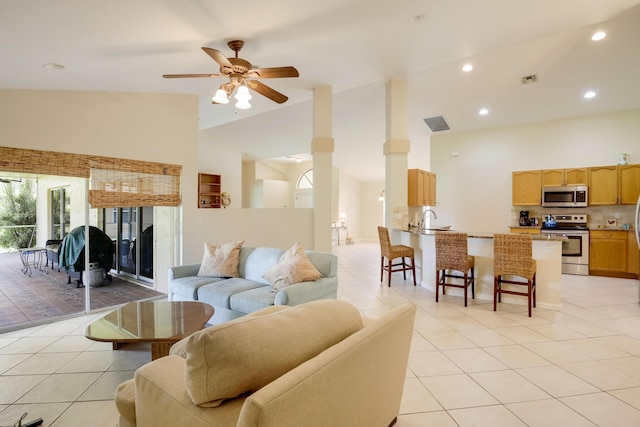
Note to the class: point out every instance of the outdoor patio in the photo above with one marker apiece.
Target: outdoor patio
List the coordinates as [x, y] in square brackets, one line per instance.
[41, 296]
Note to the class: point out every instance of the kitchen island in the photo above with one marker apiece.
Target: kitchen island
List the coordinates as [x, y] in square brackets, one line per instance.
[546, 251]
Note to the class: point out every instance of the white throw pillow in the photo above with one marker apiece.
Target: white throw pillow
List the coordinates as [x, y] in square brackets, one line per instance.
[221, 261]
[292, 267]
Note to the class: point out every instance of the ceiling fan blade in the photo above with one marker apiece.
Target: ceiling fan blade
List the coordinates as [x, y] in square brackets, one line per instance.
[265, 90]
[276, 72]
[218, 56]
[183, 76]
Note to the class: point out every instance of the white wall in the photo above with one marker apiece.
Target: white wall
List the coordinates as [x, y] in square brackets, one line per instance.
[371, 210]
[474, 189]
[225, 162]
[279, 228]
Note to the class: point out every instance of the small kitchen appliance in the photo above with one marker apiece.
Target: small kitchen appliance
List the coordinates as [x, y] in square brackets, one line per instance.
[524, 218]
[565, 197]
[550, 222]
[575, 249]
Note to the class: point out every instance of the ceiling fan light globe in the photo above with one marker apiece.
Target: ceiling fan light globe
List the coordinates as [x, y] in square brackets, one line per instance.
[242, 94]
[220, 97]
[243, 104]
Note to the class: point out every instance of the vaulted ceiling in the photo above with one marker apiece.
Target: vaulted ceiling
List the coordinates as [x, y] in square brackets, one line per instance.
[355, 46]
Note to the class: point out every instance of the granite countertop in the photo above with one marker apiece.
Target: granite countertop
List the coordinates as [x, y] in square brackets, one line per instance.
[605, 228]
[489, 235]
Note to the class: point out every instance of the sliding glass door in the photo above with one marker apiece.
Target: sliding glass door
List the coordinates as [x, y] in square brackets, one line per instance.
[60, 205]
[131, 229]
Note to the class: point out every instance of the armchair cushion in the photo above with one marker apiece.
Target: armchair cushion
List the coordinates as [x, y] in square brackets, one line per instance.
[227, 360]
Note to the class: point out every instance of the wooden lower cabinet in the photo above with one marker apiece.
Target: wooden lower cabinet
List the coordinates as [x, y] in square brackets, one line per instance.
[633, 258]
[609, 254]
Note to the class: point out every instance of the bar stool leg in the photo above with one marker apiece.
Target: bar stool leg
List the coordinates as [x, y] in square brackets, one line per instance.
[465, 289]
[473, 284]
[413, 267]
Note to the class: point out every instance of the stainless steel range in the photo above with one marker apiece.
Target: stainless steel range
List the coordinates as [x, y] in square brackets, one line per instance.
[575, 250]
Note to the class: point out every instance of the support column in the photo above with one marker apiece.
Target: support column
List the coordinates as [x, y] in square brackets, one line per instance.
[396, 147]
[322, 150]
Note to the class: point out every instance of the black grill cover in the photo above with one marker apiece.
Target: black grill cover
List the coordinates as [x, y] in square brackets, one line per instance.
[72, 249]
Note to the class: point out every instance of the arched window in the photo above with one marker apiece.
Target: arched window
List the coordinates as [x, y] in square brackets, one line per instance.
[306, 180]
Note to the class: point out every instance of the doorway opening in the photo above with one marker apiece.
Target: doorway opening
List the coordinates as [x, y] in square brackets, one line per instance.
[132, 229]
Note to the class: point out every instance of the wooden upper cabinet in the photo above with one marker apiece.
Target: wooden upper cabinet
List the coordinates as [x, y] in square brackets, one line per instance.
[552, 177]
[421, 188]
[629, 184]
[576, 176]
[561, 177]
[526, 188]
[612, 185]
[430, 177]
[603, 185]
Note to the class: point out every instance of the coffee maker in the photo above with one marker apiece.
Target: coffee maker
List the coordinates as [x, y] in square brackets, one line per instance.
[524, 218]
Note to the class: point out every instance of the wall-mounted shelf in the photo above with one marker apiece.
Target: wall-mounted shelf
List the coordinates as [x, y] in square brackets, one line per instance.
[209, 190]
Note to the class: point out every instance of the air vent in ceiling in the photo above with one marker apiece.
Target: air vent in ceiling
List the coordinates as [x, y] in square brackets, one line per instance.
[436, 124]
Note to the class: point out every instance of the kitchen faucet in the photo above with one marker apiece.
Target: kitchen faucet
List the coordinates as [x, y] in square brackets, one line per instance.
[424, 216]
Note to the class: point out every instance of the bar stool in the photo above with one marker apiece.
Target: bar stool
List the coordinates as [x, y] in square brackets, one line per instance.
[452, 255]
[512, 256]
[391, 252]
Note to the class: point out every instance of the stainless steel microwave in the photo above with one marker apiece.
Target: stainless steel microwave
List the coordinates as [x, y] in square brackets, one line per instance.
[565, 197]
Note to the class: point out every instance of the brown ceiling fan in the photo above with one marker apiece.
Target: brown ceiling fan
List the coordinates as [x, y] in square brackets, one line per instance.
[241, 75]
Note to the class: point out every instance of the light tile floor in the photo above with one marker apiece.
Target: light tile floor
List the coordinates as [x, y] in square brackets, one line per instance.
[467, 367]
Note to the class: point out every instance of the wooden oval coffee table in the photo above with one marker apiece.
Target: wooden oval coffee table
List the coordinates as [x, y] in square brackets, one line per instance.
[162, 323]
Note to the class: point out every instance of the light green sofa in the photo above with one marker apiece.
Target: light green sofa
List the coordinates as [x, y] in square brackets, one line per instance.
[238, 296]
[318, 364]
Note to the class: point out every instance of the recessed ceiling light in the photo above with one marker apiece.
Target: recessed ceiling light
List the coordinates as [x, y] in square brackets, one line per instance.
[598, 36]
[52, 66]
[483, 112]
[467, 67]
[589, 94]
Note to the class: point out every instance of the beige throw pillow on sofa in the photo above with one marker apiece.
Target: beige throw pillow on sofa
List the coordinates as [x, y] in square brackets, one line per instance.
[221, 261]
[227, 360]
[292, 267]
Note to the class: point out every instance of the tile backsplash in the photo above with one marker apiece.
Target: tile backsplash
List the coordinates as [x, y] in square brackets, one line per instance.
[597, 215]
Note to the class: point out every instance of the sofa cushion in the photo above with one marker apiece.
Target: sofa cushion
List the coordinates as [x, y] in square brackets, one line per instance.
[221, 261]
[245, 354]
[292, 267]
[325, 262]
[258, 262]
[187, 287]
[219, 293]
[252, 300]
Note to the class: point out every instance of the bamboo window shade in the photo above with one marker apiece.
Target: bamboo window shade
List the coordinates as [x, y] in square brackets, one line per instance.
[113, 182]
[122, 183]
